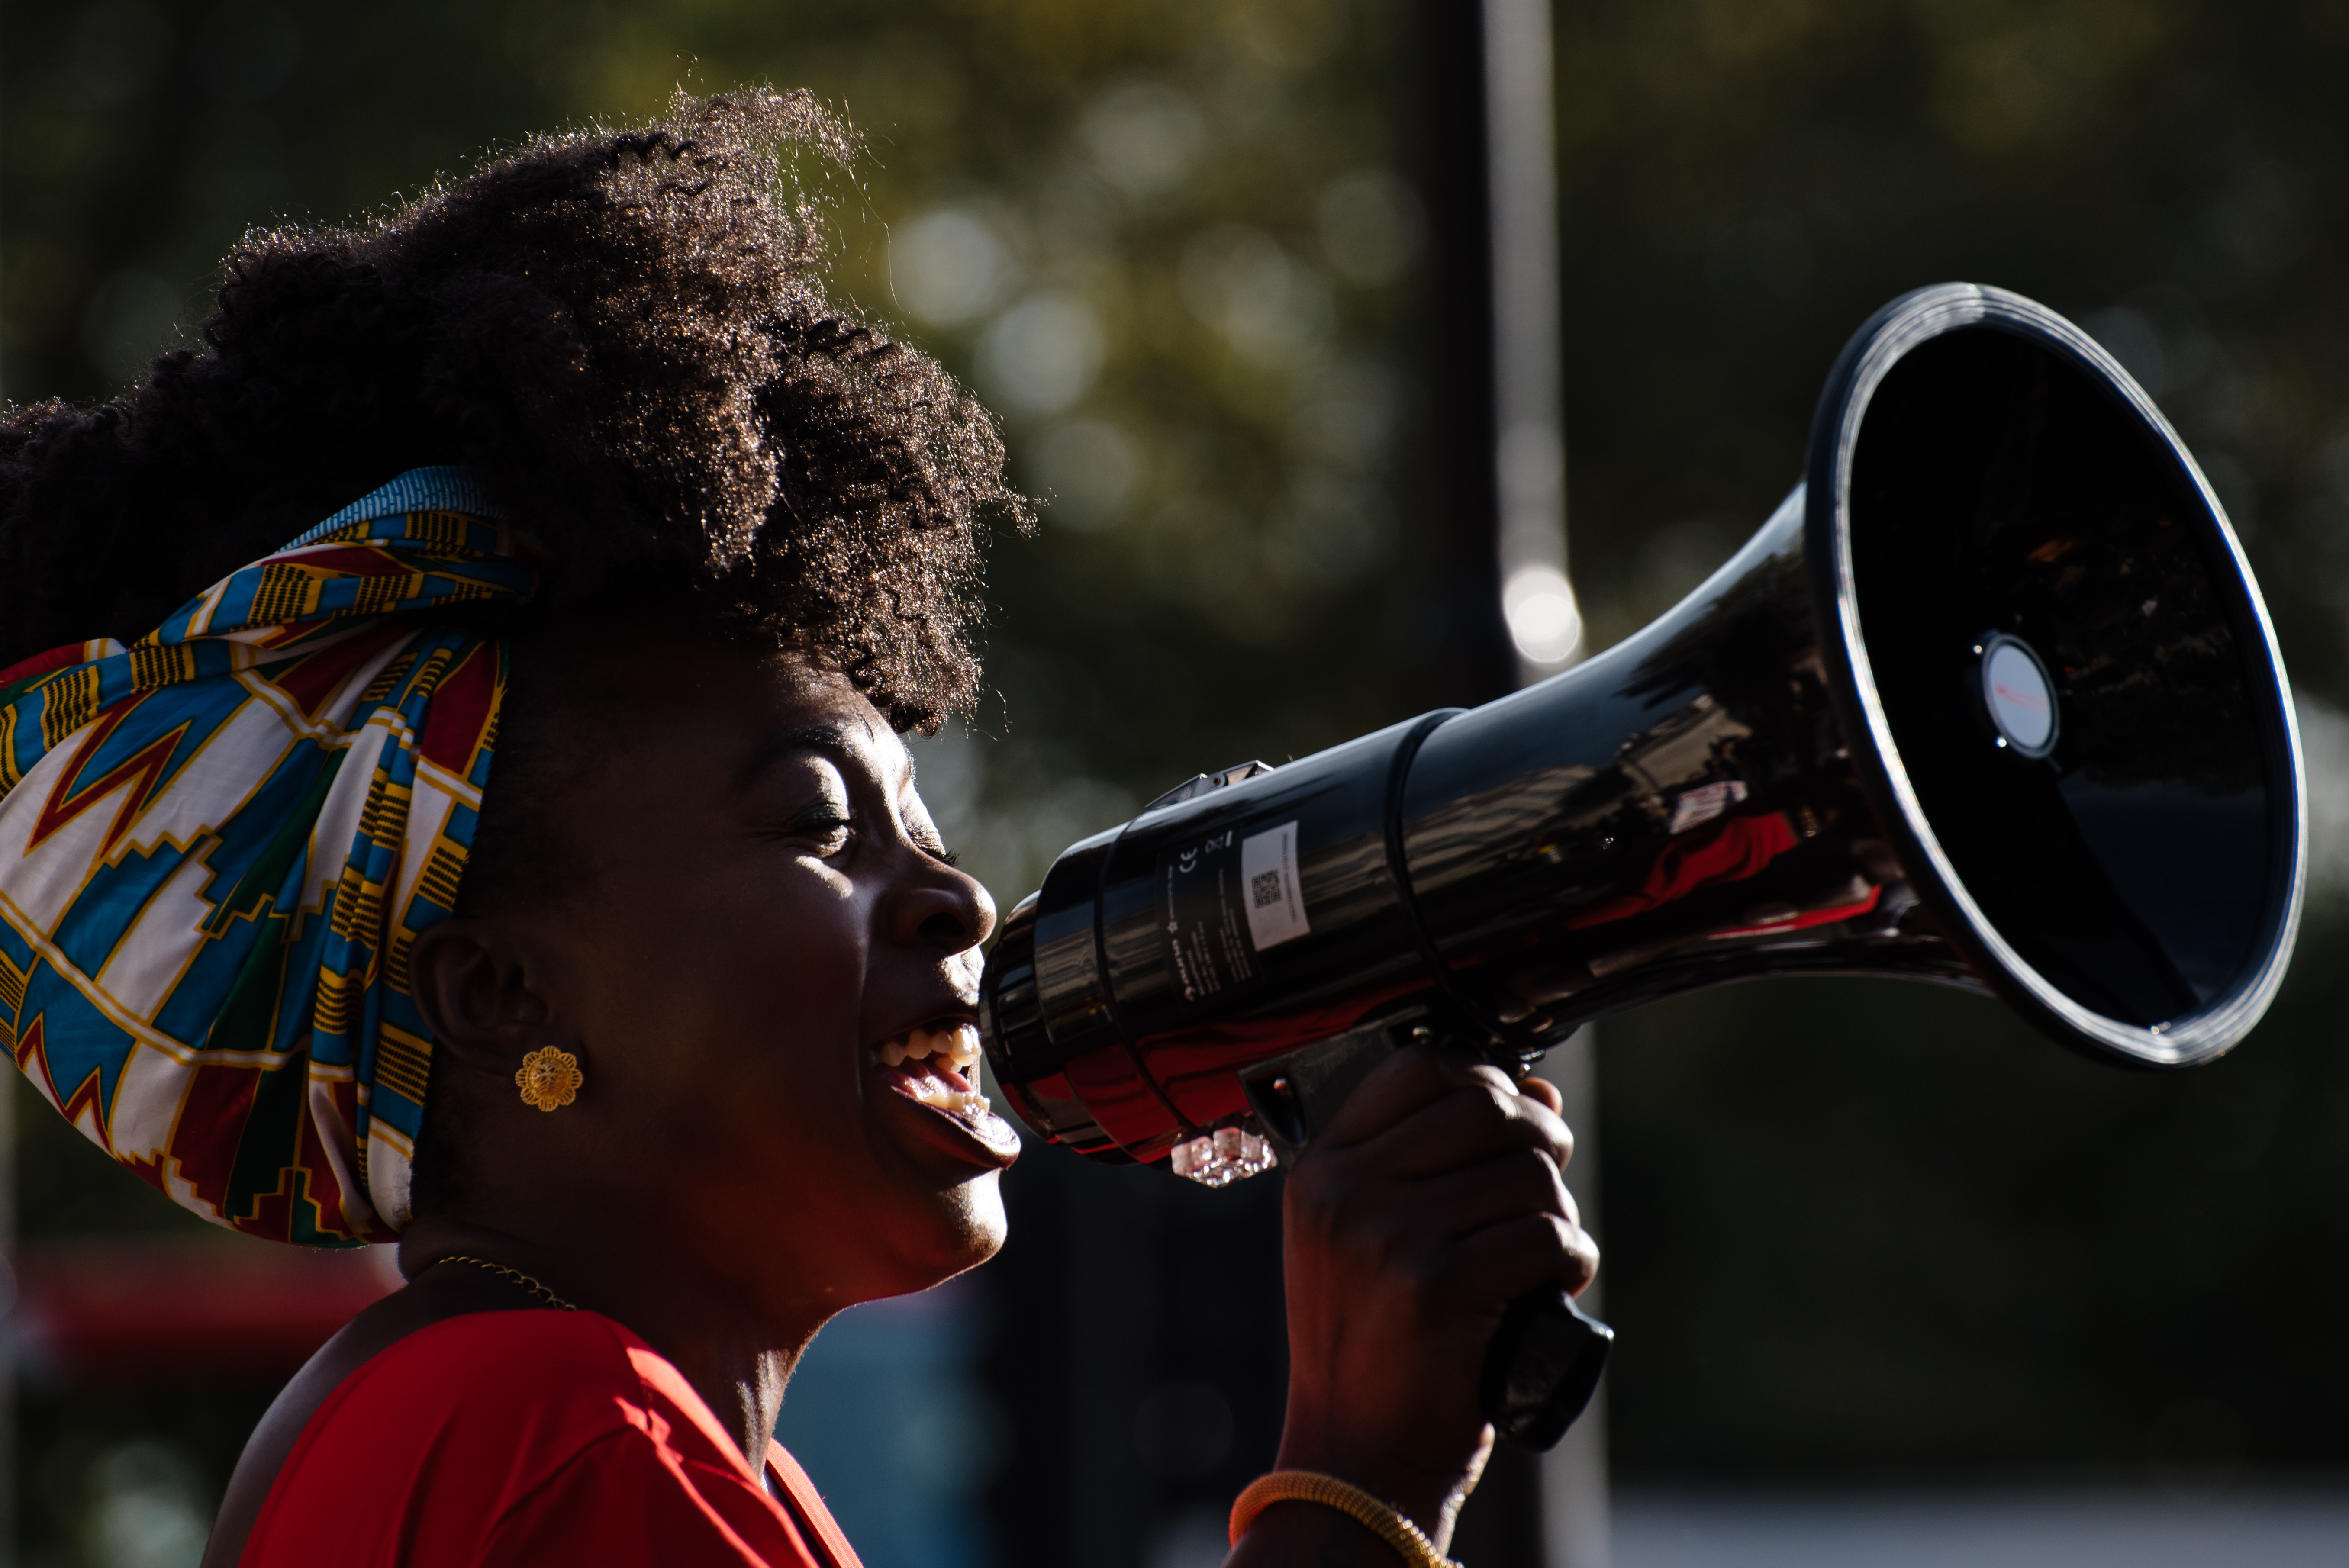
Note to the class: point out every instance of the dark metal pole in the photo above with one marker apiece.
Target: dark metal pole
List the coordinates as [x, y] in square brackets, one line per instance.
[1474, 661]
[1509, 615]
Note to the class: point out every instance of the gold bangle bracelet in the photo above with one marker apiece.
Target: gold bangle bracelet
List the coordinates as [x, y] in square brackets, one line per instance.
[1389, 1524]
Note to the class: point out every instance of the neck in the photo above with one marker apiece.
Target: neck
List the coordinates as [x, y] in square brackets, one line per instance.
[738, 1358]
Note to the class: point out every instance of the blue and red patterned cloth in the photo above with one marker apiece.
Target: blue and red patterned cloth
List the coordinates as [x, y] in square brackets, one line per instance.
[218, 844]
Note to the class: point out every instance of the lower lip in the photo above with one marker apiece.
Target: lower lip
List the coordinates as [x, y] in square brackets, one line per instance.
[988, 1142]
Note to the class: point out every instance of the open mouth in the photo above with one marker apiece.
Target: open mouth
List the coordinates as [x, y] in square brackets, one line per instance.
[932, 1064]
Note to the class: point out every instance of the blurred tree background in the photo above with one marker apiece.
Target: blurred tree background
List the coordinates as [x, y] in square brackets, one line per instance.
[1189, 253]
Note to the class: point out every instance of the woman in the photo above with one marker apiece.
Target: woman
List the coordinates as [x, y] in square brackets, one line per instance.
[454, 793]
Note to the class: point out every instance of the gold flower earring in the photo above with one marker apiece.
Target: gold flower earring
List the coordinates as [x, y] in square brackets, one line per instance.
[549, 1078]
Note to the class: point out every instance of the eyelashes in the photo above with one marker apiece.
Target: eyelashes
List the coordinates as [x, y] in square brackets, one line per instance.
[827, 824]
[833, 827]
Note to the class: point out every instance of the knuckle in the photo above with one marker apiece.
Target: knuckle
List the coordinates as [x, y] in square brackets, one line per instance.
[1489, 1112]
[1547, 1125]
[1582, 1254]
[1555, 1238]
[1532, 1174]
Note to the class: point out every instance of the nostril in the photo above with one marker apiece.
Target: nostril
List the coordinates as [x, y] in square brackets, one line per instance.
[946, 930]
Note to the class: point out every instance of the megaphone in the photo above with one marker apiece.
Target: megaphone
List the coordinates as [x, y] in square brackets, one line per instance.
[1992, 700]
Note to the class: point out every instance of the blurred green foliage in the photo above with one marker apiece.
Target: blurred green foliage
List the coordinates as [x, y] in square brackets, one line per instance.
[1186, 250]
[1746, 179]
[1173, 245]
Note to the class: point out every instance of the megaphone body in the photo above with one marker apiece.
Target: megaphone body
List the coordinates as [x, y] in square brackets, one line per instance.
[1992, 700]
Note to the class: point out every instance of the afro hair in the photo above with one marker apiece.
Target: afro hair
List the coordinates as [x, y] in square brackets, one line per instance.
[627, 332]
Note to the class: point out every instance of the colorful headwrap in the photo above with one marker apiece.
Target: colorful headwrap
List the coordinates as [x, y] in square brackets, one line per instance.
[217, 847]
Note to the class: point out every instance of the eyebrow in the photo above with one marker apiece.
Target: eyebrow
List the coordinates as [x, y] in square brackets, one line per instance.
[832, 740]
[829, 739]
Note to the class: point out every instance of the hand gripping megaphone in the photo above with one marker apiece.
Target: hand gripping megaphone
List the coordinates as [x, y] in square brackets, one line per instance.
[1990, 700]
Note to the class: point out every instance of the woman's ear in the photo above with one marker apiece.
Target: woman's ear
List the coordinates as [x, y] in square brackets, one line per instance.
[484, 992]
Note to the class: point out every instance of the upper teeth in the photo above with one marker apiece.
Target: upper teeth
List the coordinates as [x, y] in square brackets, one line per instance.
[957, 1042]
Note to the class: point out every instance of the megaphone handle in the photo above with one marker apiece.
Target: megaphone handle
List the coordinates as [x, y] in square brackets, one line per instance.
[1544, 1360]
[1542, 1367]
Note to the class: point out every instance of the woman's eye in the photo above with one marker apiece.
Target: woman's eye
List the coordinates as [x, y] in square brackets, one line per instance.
[828, 826]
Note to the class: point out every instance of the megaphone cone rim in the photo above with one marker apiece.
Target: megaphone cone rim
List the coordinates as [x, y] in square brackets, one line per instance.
[1882, 343]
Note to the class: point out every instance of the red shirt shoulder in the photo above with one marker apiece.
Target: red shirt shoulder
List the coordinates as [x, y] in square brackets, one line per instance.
[503, 1439]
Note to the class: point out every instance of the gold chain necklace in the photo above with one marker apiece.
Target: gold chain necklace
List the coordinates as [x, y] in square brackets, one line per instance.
[518, 1277]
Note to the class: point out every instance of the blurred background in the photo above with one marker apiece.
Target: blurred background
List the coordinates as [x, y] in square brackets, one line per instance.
[1897, 1281]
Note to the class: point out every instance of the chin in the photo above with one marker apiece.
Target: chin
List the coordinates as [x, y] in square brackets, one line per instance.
[983, 1225]
[965, 1226]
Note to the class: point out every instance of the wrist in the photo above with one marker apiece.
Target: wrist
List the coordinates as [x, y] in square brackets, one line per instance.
[1430, 1502]
[1287, 1533]
[1284, 1491]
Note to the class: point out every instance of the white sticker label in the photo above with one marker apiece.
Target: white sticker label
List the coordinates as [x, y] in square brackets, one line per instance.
[1275, 905]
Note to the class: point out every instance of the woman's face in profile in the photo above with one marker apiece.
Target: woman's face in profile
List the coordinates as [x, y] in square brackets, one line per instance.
[772, 972]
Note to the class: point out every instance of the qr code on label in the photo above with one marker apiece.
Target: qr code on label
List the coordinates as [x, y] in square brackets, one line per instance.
[1266, 886]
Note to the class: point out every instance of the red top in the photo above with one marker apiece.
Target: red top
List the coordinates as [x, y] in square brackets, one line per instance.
[505, 1439]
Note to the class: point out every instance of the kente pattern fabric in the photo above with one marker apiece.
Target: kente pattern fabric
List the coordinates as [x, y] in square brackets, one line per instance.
[217, 847]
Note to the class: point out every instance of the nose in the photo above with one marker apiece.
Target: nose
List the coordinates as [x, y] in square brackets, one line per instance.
[945, 908]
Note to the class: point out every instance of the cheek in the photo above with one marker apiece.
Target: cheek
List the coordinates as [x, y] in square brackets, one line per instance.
[739, 1006]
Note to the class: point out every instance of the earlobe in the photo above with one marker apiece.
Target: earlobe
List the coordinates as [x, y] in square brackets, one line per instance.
[482, 992]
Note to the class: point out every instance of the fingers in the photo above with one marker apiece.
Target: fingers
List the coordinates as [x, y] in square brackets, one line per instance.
[1503, 1262]
[1401, 1084]
[1426, 1111]
[1477, 1158]
[1481, 1117]
[1525, 1182]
